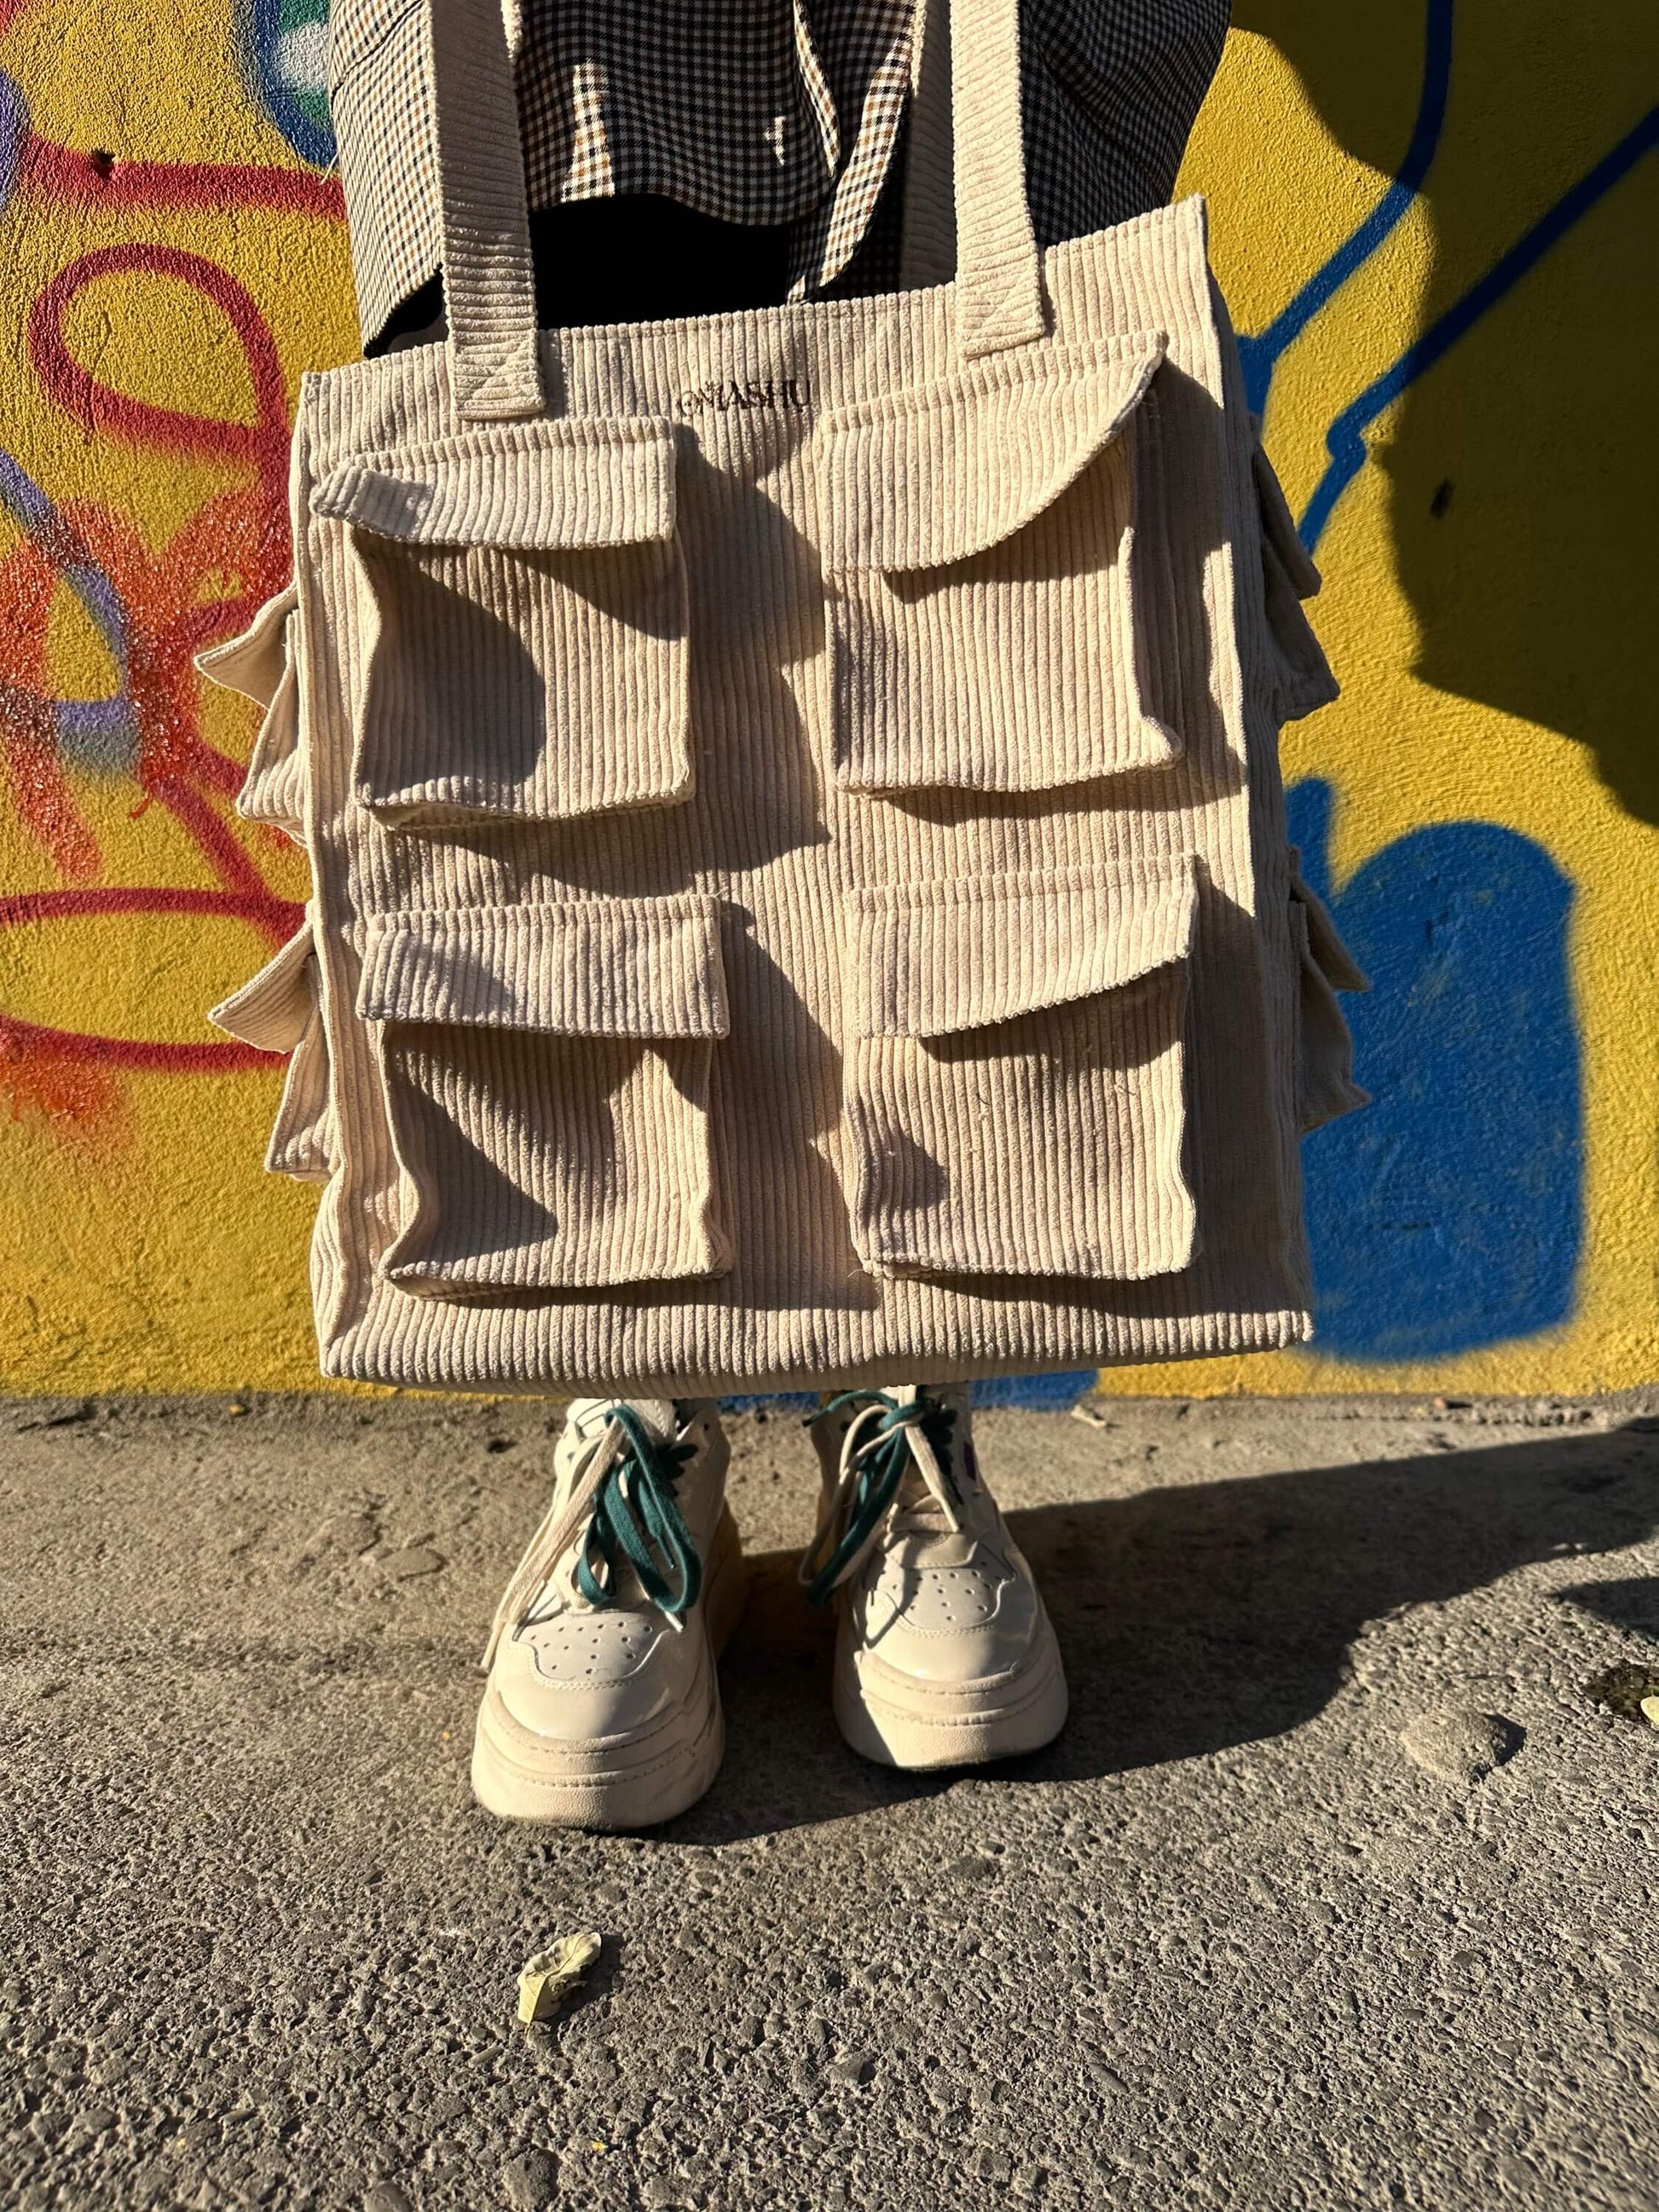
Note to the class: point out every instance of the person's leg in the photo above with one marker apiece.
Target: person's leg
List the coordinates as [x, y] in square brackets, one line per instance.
[602, 1709]
[945, 1654]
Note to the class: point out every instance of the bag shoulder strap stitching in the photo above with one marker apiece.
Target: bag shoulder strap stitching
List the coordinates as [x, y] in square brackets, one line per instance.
[490, 278]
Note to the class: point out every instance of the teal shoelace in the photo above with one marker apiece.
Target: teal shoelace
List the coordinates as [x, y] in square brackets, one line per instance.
[636, 1518]
[881, 1460]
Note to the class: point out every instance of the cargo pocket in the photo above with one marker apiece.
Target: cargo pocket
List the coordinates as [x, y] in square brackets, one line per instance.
[547, 1074]
[261, 665]
[986, 578]
[1014, 1086]
[1325, 1087]
[1301, 677]
[279, 1011]
[528, 660]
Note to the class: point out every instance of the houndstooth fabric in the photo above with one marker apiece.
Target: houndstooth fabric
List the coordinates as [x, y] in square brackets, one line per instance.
[763, 111]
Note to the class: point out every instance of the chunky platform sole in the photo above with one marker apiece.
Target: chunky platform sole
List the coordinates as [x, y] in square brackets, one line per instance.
[630, 1782]
[893, 1720]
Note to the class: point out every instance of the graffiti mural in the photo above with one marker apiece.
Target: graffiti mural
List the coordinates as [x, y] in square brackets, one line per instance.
[284, 46]
[152, 607]
[1420, 215]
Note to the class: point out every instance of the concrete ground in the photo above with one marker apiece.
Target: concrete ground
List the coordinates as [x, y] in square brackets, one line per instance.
[1227, 1944]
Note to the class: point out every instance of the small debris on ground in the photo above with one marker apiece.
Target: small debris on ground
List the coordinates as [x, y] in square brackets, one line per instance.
[1623, 1689]
[1650, 1707]
[548, 1978]
[1459, 1744]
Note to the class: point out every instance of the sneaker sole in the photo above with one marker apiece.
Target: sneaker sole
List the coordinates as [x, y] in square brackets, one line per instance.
[520, 1776]
[911, 1727]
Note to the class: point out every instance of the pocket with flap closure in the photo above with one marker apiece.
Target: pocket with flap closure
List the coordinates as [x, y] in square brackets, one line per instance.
[985, 583]
[1302, 678]
[529, 661]
[1325, 1085]
[1015, 1078]
[547, 1071]
[261, 664]
[280, 1010]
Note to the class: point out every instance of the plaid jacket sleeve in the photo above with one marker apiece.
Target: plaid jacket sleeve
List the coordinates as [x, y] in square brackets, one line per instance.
[761, 112]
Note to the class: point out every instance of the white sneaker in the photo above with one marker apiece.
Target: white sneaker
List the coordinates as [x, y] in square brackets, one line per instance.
[945, 1654]
[603, 1710]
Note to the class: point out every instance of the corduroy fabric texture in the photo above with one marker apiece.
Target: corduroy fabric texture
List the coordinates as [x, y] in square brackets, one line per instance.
[801, 889]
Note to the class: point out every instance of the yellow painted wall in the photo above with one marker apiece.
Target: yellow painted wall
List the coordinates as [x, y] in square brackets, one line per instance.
[1490, 779]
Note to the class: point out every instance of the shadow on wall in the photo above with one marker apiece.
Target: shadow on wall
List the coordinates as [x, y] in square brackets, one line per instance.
[1520, 460]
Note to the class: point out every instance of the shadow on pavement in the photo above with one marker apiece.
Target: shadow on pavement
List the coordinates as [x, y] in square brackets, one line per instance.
[1198, 1616]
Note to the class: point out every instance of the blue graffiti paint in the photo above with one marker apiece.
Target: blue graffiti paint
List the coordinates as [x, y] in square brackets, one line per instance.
[1260, 354]
[782, 1402]
[14, 129]
[1448, 1215]
[281, 44]
[1037, 1394]
[1040, 1394]
[98, 734]
[1345, 442]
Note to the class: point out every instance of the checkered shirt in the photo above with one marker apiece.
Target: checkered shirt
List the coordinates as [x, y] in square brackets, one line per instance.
[762, 112]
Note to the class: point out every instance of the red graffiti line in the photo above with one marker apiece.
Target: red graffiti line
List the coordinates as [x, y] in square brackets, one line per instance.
[100, 408]
[281, 917]
[21, 1040]
[100, 183]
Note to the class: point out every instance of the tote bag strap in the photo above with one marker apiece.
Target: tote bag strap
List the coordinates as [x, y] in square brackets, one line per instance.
[999, 282]
[490, 273]
[489, 276]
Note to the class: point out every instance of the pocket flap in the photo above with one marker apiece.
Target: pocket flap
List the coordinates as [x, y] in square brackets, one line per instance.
[544, 487]
[1279, 526]
[919, 479]
[931, 959]
[1340, 969]
[302, 1139]
[610, 968]
[254, 663]
[272, 1011]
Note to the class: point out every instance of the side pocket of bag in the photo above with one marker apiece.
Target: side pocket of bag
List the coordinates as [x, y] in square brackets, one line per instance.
[280, 1010]
[262, 665]
[1325, 1085]
[1301, 675]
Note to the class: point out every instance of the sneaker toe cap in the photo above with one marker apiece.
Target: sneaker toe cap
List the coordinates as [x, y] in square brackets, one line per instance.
[951, 1625]
[582, 1678]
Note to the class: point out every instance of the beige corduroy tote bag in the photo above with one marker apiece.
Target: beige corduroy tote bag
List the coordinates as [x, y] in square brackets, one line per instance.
[801, 890]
